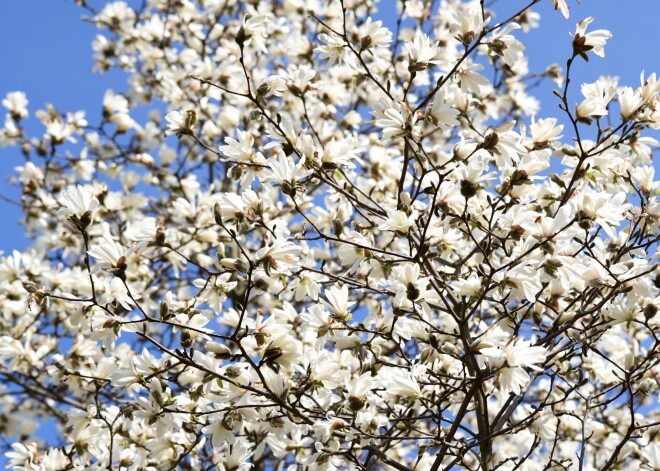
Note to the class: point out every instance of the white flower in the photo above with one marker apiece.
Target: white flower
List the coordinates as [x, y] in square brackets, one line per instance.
[651, 453]
[180, 123]
[561, 6]
[337, 301]
[399, 221]
[16, 103]
[78, 202]
[604, 208]
[242, 149]
[333, 50]
[253, 31]
[443, 113]
[421, 51]
[124, 122]
[410, 287]
[116, 291]
[467, 287]
[358, 389]
[594, 41]
[114, 103]
[279, 256]
[471, 80]
[306, 284]
[372, 34]
[395, 119]
[108, 252]
[215, 290]
[287, 174]
[592, 107]
[283, 349]
[650, 86]
[400, 382]
[512, 361]
[545, 130]
[631, 101]
[23, 456]
[504, 45]
[106, 328]
[468, 23]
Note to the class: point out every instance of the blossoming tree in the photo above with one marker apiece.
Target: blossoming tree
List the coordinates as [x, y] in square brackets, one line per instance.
[342, 247]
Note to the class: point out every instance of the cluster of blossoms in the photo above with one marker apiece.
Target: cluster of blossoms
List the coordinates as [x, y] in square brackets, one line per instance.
[340, 247]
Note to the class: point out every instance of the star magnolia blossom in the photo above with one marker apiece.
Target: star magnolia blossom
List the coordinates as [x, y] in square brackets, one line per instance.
[593, 41]
[344, 246]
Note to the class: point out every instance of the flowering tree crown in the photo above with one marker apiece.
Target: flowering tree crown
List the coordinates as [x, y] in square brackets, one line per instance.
[342, 246]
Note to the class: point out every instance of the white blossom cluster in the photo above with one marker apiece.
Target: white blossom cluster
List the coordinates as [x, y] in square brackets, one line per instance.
[342, 247]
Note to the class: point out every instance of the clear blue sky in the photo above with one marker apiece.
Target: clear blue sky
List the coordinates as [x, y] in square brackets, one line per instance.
[46, 52]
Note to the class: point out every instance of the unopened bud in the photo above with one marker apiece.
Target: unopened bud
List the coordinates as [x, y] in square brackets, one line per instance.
[217, 214]
[164, 309]
[191, 118]
[240, 37]
[365, 43]
[337, 226]
[650, 310]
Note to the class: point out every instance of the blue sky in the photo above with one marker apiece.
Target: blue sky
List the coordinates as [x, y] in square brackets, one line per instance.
[47, 53]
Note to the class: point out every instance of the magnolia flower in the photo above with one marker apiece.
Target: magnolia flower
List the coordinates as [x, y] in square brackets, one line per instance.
[605, 209]
[106, 327]
[592, 107]
[283, 349]
[279, 256]
[287, 174]
[242, 149]
[400, 382]
[504, 45]
[333, 50]
[337, 301]
[631, 101]
[372, 34]
[253, 32]
[16, 103]
[443, 114]
[115, 291]
[394, 119]
[410, 287]
[468, 23]
[594, 41]
[651, 453]
[109, 253]
[337, 153]
[650, 86]
[471, 80]
[214, 291]
[24, 456]
[399, 221]
[545, 130]
[59, 131]
[358, 389]
[180, 123]
[114, 103]
[511, 362]
[470, 286]
[306, 285]
[123, 121]
[422, 52]
[78, 202]
[561, 6]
